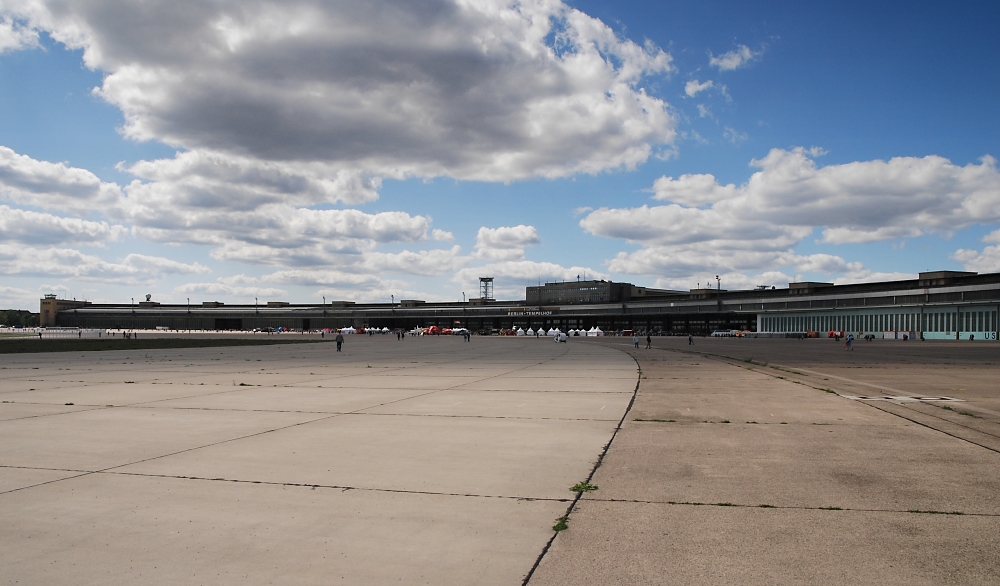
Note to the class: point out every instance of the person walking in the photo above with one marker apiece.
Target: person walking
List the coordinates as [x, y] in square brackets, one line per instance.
[635, 340]
[340, 340]
[649, 342]
[690, 340]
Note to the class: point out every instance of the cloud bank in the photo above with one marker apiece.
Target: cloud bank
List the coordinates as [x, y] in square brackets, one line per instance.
[711, 227]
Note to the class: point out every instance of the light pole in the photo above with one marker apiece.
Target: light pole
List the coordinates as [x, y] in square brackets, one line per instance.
[718, 295]
[463, 296]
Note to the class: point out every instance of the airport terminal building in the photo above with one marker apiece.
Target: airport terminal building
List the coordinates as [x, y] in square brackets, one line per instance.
[939, 305]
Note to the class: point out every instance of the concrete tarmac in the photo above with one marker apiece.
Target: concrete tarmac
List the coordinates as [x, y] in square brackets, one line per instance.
[438, 461]
[426, 461]
[795, 462]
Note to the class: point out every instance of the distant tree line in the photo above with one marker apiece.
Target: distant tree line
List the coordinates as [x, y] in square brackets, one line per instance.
[18, 317]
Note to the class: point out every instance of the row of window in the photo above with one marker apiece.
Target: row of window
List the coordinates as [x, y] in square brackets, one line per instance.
[935, 321]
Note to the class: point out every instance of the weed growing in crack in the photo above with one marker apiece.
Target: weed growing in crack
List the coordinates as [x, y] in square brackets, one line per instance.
[561, 524]
[583, 487]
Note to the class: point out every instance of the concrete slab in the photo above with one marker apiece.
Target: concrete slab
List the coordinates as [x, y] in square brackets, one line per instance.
[895, 466]
[314, 400]
[863, 496]
[172, 531]
[518, 404]
[636, 543]
[453, 455]
[226, 491]
[584, 384]
[101, 438]
[117, 394]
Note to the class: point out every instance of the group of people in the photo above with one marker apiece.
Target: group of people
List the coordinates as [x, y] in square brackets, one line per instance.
[649, 341]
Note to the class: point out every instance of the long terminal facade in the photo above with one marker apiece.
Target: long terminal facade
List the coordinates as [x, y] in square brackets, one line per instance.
[937, 305]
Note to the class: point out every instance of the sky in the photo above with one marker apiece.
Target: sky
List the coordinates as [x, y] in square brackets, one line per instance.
[368, 151]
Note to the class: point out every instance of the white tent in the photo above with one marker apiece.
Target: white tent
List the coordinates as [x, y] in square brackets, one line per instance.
[530, 332]
[552, 332]
[347, 330]
[385, 329]
[519, 332]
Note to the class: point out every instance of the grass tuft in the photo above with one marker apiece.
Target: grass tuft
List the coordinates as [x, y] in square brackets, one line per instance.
[583, 487]
[561, 524]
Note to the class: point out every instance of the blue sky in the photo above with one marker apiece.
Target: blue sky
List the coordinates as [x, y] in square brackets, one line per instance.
[357, 150]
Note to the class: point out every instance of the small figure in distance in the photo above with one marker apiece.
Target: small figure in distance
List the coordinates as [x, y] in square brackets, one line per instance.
[690, 340]
[339, 340]
[972, 337]
[635, 340]
[649, 342]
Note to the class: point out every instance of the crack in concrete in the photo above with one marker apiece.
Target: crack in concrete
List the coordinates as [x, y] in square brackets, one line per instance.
[788, 507]
[597, 464]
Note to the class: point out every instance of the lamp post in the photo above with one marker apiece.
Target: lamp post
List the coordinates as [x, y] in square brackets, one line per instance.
[718, 295]
[463, 296]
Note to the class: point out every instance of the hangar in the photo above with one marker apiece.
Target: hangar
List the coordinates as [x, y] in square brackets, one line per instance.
[940, 305]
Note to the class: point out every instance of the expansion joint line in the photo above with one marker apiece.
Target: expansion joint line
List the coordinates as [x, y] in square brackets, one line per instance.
[600, 459]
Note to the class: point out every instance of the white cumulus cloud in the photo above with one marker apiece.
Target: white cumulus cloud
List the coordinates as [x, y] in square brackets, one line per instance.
[693, 87]
[505, 243]
[27, 181]
[325, 98]
[15, 35]
[738, 57]
[38, 228]
[709, 226]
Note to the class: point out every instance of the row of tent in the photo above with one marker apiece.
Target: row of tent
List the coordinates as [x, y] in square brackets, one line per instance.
[592, 332]
[351, 330]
